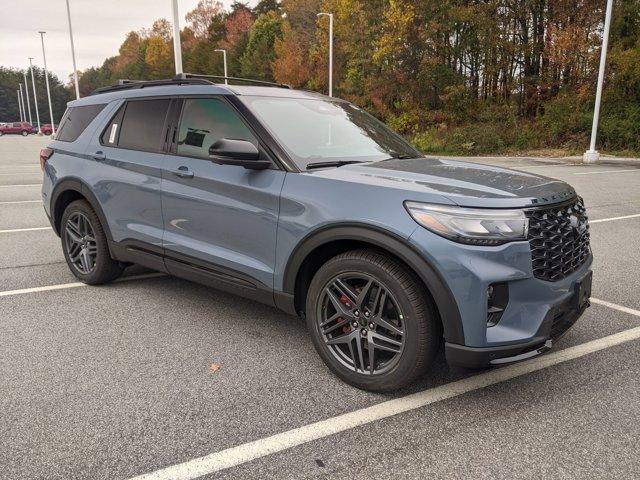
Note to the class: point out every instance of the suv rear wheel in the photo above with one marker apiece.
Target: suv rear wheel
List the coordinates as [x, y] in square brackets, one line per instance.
[371, 321]
[85, 245]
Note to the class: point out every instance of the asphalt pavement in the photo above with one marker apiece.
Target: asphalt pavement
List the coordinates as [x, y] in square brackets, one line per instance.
[116, 381]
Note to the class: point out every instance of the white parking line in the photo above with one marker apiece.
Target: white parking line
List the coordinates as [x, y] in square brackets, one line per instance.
[635, 215]
[19, 173]
[615, 306]
[63, 286]
[27, 185]
[20, 201]
[32, 229]
[607, 171]
[282, 441]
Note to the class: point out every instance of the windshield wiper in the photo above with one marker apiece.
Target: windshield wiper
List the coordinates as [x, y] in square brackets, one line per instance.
[335, 163]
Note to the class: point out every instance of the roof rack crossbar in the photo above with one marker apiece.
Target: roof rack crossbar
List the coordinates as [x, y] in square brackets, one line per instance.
[186, 76]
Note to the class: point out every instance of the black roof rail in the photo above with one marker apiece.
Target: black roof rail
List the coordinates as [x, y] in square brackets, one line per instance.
[126, 84]
[181, 79]
[187, 76]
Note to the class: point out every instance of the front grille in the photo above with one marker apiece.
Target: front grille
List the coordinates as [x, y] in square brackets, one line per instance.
[559, 239]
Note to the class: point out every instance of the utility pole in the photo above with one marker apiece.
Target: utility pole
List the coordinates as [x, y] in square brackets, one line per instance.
[26, 91]
[46, 77]
[73, 53]
[35, 98]
[592, 155]
[177, 51]
[224, 59]
[330, 15]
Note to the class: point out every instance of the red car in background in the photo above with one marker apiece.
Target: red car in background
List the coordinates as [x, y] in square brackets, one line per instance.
[47, 130]
[22, 128]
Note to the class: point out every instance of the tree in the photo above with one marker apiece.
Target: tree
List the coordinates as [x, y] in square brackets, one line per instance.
[9, 79]
[259, 54]
[265, 6]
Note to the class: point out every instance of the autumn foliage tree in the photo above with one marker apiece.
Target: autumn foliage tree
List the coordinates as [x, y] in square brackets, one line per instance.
[454, 76]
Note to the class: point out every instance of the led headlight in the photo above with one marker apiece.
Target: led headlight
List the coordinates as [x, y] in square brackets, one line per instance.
[475, 226]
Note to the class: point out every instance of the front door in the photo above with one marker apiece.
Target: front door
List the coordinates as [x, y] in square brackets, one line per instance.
[220, 221]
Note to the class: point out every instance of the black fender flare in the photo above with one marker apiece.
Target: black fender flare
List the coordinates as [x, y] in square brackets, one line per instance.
[76, 185]
[395, 244]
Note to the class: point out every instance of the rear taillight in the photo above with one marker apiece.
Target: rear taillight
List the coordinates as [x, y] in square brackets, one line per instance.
[45, 154]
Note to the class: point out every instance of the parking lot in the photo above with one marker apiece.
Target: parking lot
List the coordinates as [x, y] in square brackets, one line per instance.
[117, 381]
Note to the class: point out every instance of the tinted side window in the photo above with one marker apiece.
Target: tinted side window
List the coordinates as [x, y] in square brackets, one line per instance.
[112, 132]
[142, 125]
[75, 120]
[204, 122]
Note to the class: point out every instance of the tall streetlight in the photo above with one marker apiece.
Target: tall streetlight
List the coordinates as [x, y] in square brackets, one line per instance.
[224, 58]
[26, 91]
[330, 15]
[177, 51]
[19, 104]
[35, 98]
[23, 115]
[73, 53]
[46, 77]
[592, 155]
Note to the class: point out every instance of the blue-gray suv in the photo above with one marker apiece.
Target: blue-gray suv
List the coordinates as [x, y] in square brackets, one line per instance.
[310, 204]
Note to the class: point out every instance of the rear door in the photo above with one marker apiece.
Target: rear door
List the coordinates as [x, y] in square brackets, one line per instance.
[127, 160]
[220, 220]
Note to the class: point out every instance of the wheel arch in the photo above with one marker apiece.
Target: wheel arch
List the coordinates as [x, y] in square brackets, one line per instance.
[69, 190]
[326, 242]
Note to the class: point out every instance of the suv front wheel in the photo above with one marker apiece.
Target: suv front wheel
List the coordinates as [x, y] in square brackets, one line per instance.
[85, 245]
[371, 321]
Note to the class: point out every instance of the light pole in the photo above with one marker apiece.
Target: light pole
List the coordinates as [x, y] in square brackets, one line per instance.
[35, 98]
[330, 15]
[46, 77]
[177, 51]
[592, 155]
[26, 91]
[19, 104]
[23, 114]
[224, 59]
[73, 53]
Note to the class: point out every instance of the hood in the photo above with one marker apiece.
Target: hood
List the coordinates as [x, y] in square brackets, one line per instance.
[462, 183]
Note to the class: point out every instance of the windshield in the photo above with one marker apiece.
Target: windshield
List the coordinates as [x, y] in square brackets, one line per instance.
[317, 130]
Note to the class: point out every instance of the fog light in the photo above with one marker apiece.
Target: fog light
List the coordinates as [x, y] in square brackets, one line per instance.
[497, 300]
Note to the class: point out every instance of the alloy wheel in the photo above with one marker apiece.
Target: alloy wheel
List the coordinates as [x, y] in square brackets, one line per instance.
[361, 323]
[80, 243]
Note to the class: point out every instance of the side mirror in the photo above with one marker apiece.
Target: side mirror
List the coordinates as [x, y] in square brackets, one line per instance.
[227, 151]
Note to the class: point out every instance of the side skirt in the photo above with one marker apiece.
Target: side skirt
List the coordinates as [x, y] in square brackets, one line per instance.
[192, 269]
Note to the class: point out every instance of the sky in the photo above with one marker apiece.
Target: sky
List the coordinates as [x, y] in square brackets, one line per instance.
[99, 27]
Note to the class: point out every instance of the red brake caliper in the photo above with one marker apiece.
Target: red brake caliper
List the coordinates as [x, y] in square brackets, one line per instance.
[345, 301]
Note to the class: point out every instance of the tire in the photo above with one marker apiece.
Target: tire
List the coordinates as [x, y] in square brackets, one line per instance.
[1, 133]
[79, 221]
[24, 133]
[409, 309]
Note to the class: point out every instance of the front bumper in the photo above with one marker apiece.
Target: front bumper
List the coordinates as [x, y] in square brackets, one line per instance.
[538, 311]
[556, 323]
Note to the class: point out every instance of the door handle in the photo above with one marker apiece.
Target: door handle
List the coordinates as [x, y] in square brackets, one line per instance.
[99, 156]
[183, 172]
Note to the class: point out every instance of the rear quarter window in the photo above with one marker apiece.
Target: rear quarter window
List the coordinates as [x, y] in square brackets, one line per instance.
[75, 120]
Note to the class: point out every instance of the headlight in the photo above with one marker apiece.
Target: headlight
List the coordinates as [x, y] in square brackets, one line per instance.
[475, 226]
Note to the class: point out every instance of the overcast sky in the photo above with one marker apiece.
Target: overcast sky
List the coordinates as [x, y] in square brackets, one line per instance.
[99, 27]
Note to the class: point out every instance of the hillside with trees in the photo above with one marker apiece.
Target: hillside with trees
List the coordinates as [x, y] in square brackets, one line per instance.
[459, 77]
